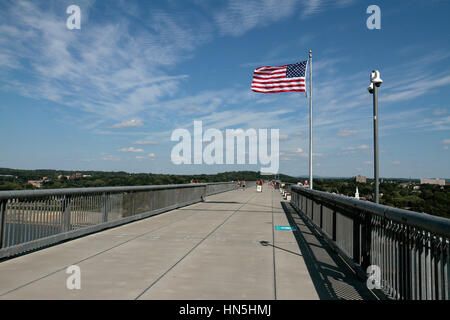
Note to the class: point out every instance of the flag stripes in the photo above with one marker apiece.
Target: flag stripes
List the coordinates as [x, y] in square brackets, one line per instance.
[287, 78]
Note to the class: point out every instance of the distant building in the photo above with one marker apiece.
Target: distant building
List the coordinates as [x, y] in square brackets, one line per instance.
[437, 181]
[360, 179]
[35, 183]
[77, 175]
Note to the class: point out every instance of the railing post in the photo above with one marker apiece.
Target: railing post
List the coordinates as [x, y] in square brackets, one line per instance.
[3, 206]
[356, 238]
[333, 228]
[132, 202]
[306, 206]
[105, 206]
[321, 216]
[366, 240]
[202, 197]
[66, 214]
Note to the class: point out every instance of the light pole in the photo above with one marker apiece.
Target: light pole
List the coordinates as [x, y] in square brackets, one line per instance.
[375, 83]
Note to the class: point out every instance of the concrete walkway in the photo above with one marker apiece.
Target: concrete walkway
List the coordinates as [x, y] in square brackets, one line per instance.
[224, 248]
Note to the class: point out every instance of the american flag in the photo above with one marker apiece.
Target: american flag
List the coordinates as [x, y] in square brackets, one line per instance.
[287, 78]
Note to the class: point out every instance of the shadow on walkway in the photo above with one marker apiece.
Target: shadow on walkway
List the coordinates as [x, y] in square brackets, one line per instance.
[332, 278]
[267, 243]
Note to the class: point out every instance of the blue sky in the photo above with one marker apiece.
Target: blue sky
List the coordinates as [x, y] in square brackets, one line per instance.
[108, 96]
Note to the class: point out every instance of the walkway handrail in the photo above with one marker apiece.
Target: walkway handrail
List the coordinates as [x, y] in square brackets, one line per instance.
[32, 219]
[409, 249]
[437, 225]
[91, 190]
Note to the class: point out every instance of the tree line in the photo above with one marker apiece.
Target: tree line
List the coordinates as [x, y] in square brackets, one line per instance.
[432, 199]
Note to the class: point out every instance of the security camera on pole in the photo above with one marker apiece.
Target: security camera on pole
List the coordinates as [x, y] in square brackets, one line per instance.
[375, 83]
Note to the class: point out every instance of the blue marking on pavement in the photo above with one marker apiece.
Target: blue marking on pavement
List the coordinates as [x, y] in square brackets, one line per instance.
[285, 228]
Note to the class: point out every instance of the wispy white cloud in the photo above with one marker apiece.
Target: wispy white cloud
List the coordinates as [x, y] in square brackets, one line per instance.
[103, 69]
[346, 132]
[361, 147]
[416, 87]
[148, 156]
[311, 7]
[108, 157]
[127, 124]
[440, 112]
[238, 17]
[145, 142]
[130, 149]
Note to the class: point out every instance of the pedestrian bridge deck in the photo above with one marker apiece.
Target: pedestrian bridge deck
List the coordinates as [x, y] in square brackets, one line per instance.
[208, 250]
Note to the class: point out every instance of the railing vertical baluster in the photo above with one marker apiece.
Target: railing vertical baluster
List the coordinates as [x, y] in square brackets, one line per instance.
[105, 198]
[66, 214]
[426, 269]
[398, 261]
[132, 203]
[419, 263]
[321, 216]
[334, 231]
[402, 270]
[385, 227]
[7, 225]
[306, 206]
[44, 217]
[356, 238]
[366, 241]
[20, 222]
[443, 263]
[3, 206]
[439, 273]
[423, 264]
[33, 219]
[28, 221]
[14, 223]
[61, 212]
[436, 267]
[393, 257]
[408, 263]
[447, 267]
[413, 265]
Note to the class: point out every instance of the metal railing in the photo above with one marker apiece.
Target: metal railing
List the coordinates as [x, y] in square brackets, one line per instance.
[410, 249]
[33, 219]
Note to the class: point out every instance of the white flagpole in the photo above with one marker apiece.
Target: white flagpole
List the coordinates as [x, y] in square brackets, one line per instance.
[310, 122]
